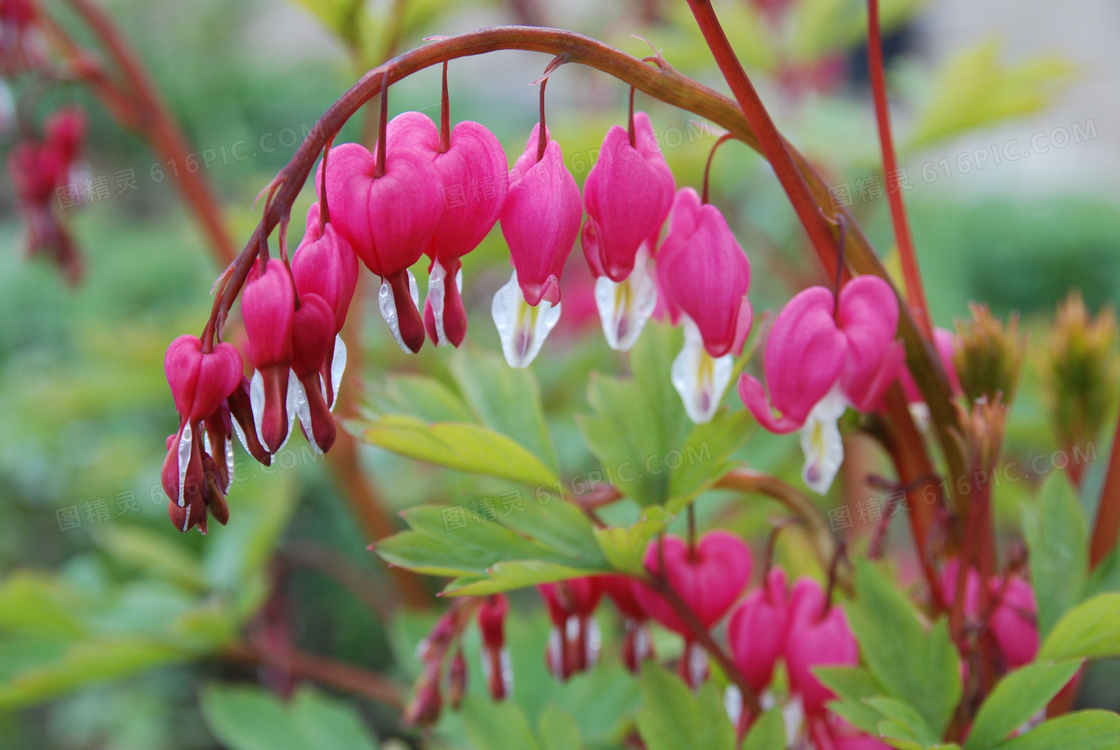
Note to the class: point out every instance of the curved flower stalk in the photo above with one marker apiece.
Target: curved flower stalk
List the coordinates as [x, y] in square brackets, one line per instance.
[824, 355]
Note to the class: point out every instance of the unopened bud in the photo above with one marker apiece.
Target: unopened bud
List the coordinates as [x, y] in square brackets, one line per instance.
[989, 356]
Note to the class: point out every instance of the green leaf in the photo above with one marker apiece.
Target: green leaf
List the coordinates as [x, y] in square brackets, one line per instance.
[903, 722]
[493, 725]
[916, 666]
[1018, 696]
[705, 453]
[768, 733]
[559, 730]
[149, 551]
[976, 89]
[1084, 730]
[625, 548]
[250, 718]
[419, 396]
[505, 399]
[1105, 577]
[853, 685]
[672, 718]
[1089, 631]
[1058, 541]
[463, 447]
[515, 574]
[559, 525]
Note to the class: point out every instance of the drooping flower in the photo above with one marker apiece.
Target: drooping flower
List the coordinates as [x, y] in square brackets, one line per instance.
[637, 646]
[627, 194]
[268, 309]
[473, 185]
[708, 578]
[822, 356]
[313, 336]
[496, 665]
[540, 221]
[575, 640]
[388, 219]
[819, 635]
[200, 383]
[758, 628]
[705, 275]
[1014, 621]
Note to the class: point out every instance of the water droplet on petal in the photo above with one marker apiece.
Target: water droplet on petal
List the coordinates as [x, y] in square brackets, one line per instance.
[699, 378]
[338, 366]
[625, 307]
[388, 306]
[230, 468]
[185, 440]
[821, 442]
[521, 328]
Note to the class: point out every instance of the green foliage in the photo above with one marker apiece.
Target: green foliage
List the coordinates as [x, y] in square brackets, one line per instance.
[824, 27]
[1058, 541]
[1018, 697]
[975, 90]
[672, 717]
[916, 665]
[251, 718]
[1084, 730]
[1090, 630]
[767, 732]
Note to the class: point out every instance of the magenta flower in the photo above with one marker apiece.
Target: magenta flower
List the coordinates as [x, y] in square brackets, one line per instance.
[705, 276]
[312, 338]
[819, 636]
[637, 646]
[540, 221]
[389, 220]
[573, 643]
[709, 578]
[268, 309]
[1014, 621]
[473, 184]
[821, 357]
[627, 194]
[496, 665]
[757, 630]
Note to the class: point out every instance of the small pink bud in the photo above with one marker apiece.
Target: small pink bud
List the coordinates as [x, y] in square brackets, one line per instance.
[457, 680]
[627, 194]
[1014, 622]
[757, 630]
[540, 220]
[66, 132]
[708, 578]
[819, 636]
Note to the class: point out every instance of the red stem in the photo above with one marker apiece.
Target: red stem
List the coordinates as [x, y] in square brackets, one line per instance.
[708, 166]
[542, 133]
[1107, 526]
[444, 115]
[915, 293]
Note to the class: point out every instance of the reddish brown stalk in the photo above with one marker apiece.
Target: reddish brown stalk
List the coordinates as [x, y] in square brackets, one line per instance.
[542, 131]
[444, 115]
[708, 166]
[915, 292]
[157, 125]
[1107, 526]
[338, 675]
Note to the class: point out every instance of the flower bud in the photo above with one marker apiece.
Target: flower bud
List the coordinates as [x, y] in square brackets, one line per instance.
[989, 356]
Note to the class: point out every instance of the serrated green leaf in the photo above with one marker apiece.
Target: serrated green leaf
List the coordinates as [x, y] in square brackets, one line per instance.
[625, 548]
[917, 667]
[251, 718]
[672, 718]
[559, 525]
[975, 89]
[463, 447]
[559, 730]
[1084, 730]
[1016, 698]
[903, 722]
[1058, 541]
[704, 454]
[768, 733]
[505, 399]
[511, 575]
[492, 725]
[1089, 631]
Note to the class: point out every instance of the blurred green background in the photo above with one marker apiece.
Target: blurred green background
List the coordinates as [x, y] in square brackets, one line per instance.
[109, 629]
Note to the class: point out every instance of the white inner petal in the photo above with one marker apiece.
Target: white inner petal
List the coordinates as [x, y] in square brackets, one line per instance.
[388, 306]
[256, 402]
[303, 411]
[295, 401]
[733, 703]
[625, 307]
[699, 378]
[821, 442]
[229, 461]
[338, 366]
[184, 459]
[521, 328]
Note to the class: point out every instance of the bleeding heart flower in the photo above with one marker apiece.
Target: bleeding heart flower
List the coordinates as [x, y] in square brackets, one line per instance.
[819, 636]
[705, 274]
[199, 380]
[312, 338]
[708, 578]
[473, 183]
[637, 646]
[389, 220]
[628, 194]
[496, 665]
[757, 630]
[268, 309]
[575, 640]
[1014, 621]
[540, 221]
[822, 356]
